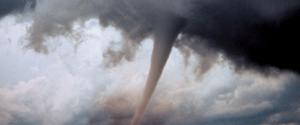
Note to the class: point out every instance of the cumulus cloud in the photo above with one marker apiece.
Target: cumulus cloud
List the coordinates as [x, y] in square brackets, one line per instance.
[70, 86]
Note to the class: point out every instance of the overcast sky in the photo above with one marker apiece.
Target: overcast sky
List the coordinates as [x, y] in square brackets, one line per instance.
[72, 85]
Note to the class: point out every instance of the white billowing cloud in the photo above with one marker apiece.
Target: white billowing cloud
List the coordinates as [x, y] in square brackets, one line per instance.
[70, 84]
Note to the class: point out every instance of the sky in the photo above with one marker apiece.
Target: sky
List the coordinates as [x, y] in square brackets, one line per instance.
[88, 78]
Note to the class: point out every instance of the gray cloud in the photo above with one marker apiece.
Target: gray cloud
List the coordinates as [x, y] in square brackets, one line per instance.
[248, 33]
[13, 6]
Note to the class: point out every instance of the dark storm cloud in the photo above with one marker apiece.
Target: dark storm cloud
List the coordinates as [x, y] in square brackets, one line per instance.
[12, 6]
[252, 33]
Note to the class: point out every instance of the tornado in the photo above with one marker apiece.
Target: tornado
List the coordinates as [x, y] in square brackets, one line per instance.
[250, 34]
[164, 36]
